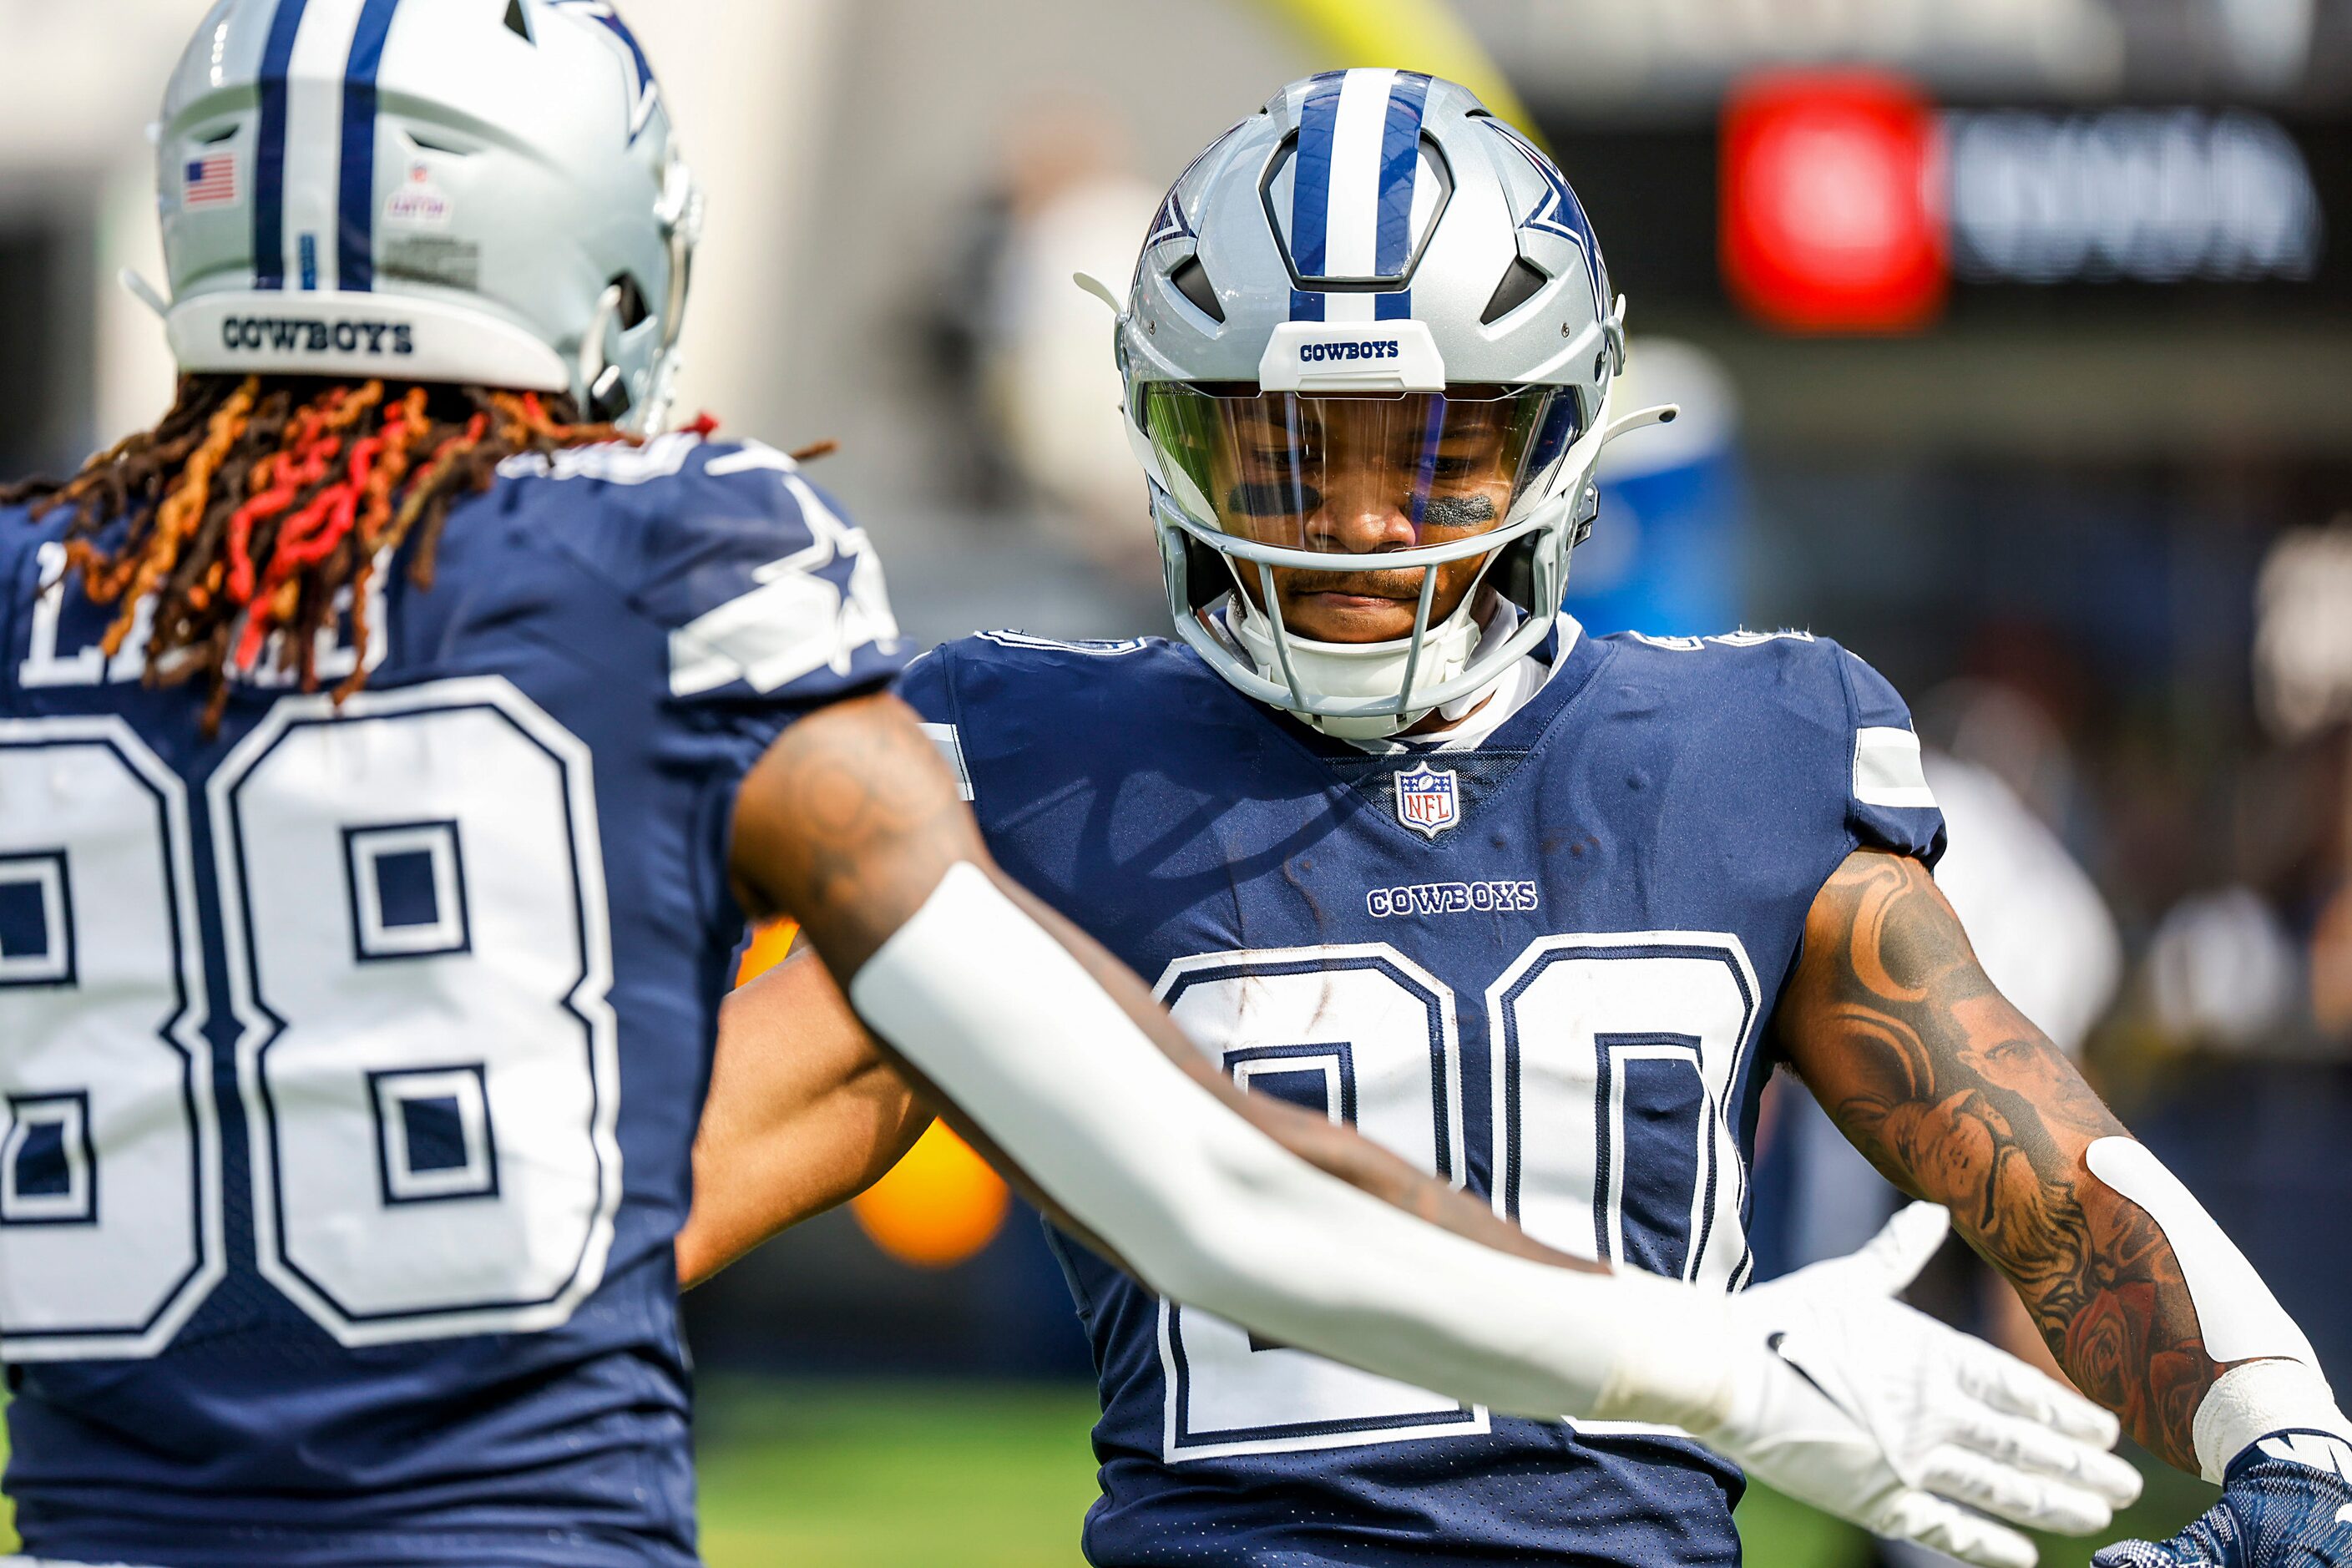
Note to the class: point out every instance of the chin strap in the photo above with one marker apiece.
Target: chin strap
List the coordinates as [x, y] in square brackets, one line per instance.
[1358, 669]
[599, 378]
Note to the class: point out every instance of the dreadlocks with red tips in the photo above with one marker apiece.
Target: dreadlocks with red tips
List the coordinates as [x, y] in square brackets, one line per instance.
[265, 506]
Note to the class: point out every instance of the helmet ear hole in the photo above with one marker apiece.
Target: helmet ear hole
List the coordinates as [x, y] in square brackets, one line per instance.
[1513, 574]
[1522, 281]
[1207, 578]
[517, 23]
[609, 400]
[1191, 280]
[634, 310]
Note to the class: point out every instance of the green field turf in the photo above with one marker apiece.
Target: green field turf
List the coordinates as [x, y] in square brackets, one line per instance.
[879, 1476]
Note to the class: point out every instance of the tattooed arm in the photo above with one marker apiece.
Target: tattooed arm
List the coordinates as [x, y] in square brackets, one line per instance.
[806, 1111]
[848, 824]
[1955, 1097]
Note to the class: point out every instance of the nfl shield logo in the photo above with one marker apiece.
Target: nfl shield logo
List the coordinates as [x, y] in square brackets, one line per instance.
[1428, 801]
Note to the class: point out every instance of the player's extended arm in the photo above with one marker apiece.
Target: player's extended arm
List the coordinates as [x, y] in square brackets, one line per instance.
[852, 811]
[805, 1113]
[1055, 1057]
[1955, 1097]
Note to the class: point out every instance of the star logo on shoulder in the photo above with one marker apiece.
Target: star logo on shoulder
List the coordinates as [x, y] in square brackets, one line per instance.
[813, 609]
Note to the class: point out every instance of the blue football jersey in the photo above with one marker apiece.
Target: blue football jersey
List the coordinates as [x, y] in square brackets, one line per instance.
[350, 1061]
[1541, 967]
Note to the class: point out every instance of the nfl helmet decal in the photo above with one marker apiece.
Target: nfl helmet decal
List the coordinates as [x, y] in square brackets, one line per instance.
[1428, 799]
[495, 187]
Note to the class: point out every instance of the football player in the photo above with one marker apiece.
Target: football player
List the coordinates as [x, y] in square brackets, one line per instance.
[1407, 847]
[392, 741]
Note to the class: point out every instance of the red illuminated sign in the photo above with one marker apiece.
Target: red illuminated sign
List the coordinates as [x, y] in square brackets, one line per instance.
[1831, 217]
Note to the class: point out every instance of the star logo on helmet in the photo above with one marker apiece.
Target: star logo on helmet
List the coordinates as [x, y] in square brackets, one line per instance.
[1169, 222]
[644, 92]
[1560, 212]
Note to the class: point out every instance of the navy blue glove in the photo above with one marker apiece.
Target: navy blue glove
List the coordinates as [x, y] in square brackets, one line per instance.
[2286, 1503]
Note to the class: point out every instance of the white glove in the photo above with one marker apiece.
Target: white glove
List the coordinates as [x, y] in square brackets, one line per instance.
[1880, 1414]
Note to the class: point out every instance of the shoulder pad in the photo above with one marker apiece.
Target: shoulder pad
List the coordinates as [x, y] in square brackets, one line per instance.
[761, 580]
[1091, 647]
[1734, 639]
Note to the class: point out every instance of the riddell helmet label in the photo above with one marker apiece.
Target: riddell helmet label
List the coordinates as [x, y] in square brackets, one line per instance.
[419, 202]
[310, 335]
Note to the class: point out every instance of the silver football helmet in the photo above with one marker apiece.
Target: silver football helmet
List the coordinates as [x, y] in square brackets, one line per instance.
[1374, 296]
[472, 191]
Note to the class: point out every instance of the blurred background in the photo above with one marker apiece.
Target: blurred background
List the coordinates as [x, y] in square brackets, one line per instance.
[2015, 339]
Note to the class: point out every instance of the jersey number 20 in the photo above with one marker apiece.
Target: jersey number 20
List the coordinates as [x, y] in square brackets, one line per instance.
[1613, 1060]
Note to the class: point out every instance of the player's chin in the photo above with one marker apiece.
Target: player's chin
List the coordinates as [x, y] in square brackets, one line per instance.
[1342, 617]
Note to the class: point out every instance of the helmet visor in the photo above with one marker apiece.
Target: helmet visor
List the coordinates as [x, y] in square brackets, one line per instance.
[1357, 474]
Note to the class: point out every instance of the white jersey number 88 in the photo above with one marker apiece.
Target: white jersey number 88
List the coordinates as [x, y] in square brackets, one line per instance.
[412, 904]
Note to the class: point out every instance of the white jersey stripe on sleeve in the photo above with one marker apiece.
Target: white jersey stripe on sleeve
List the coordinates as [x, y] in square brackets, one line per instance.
[951, 745]
[1886, 770]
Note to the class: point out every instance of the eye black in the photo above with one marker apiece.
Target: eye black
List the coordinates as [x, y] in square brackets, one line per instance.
[1458, 512]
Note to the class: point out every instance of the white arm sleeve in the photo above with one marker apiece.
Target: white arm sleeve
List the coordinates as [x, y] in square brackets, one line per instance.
[2278, 1385]
[1007, 1024]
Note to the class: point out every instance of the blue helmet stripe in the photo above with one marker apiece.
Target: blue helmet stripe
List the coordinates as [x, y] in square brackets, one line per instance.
[355, 228]
[270, 154]
[1310, 187]
[1399, 166]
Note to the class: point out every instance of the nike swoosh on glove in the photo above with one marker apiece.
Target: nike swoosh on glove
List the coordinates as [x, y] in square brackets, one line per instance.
[1878, 1414]
[2286, 1503]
